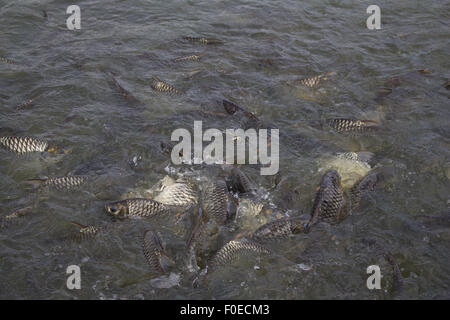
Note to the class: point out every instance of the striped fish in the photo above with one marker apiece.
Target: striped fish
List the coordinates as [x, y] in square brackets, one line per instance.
[161, 86]
[14, 216]
[6, 60]
[27, 103]
[278, 229]
[218, 203]
[60, 183]
[140, 207]
[86, 232]
[315, 81]
[177, 193]
[23, 145]
[154, 253]
[234, 250]
[203, 40]
[192, 57]
[352, 125]
[329, 200]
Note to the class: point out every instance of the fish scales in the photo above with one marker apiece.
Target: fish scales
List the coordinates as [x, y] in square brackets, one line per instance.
[179, 193]
[216, 200]
[235, 249]
[23, 145]
[61, 183]
[140, 207]
[203, 40]
[329, 199]
[153, 251]
[352, 125]
[192, 57]
[14, 216]
[315, 81]
[278, 229]
[162, 86]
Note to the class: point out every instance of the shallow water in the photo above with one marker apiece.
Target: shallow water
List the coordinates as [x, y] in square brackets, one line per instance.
[79, 109]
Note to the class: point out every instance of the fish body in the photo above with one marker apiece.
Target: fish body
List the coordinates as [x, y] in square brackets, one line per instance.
[26, 103]
[86, 232]
[177, 193]
[217, 202]
[352, 125]
[329, 200]
[162, 86]
[61, 183]
[14, 216]
[139, 207]
[203, 40]
[6, 60]
[125, 93]
[192, 57]
[154, 253]
[366, 185]
[235, 249]
[315, 81]
[239, 182]
[23, 145]
[278, 229]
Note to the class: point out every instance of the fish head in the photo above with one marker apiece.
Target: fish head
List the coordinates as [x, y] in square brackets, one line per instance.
[332, 177]
[117, 209]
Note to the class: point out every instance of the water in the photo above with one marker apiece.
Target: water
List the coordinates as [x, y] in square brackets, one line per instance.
[80, 110]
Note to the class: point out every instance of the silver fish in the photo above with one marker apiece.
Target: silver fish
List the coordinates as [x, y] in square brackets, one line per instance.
[203, 40]
[235, 249]
[137, 207]
[352, 125]
[329, 201]
[177, 192]
[278, 229]
[6, 60]
[14, 216]
[23, 145]
[315, 81]
[60, 183]
[157, 258]
[192, 57]
[218, 203]
[162, 86]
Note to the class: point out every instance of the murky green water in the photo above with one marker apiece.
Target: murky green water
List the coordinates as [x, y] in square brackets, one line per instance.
[80, 110]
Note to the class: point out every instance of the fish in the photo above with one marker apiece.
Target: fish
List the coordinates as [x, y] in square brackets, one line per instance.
[27, 103]
[140, 207]
[239, 182]
[6, 60]
[86, 232]
[233, 250]
[178, 192]
[14, 216]
[329, 200]
[60, 183]
[125, 93]
[352, 125]
[218, 203]
[23, 145]
[203, 40]
[278, 229]
[315, 81]
[232, 108]
[363, 187]
[192, 57]
[162, 86]
[154, 253]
